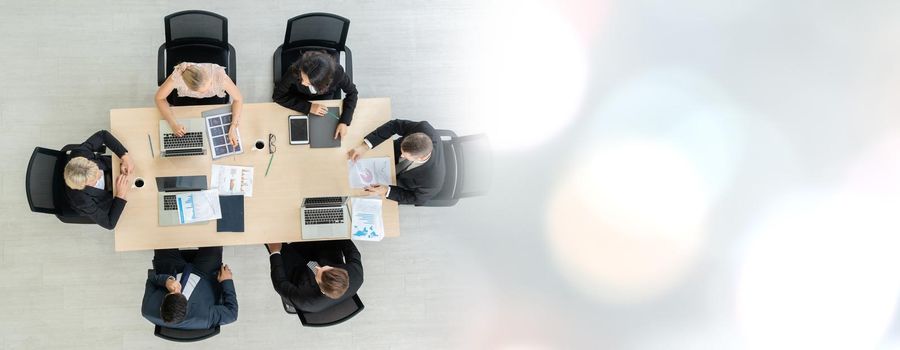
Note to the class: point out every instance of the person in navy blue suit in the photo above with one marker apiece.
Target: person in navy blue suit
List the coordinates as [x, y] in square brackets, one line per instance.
[190, 295]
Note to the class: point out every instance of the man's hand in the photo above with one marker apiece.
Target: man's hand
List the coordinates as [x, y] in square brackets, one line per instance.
[224, 273]
[178, 129]
[317, 109]
[123, 184]
[274, 247]
[340, 131]
[379, 189]
[127, 164]
[357, 152]
[172, 285]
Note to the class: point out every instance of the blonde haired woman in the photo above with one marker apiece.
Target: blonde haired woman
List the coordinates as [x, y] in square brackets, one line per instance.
[200, 80]
[85, 174]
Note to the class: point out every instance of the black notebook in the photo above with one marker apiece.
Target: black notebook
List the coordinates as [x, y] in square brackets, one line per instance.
[321, 129]
[232, 214]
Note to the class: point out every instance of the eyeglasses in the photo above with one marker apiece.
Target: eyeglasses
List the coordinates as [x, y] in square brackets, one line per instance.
[271, 144]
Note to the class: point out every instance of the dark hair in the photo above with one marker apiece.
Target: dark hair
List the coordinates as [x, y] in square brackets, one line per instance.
[318, 66]
[417, 144]
[335, 282]
[174, 307]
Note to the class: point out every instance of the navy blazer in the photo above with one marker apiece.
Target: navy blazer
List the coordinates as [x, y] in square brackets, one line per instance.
[99, 205]
[289, 93]
[204, 309]
[303, 291]
[418, 185]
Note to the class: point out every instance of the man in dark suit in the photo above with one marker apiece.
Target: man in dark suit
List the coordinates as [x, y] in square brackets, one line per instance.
[195, 295]
[314, 276]
[419, 155]
[88, 177]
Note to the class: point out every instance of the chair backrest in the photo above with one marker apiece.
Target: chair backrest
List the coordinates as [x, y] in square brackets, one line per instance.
[336, 314]
[317, 29]
[185, 335]
[42, 179]
[196, 25]
[474, 165]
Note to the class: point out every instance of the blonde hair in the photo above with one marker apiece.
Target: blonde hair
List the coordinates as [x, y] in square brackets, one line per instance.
[78, 171]
[193, 77]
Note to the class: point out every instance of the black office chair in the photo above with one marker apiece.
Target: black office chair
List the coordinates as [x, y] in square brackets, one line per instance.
[336, 314]
[469, 168]
[313, 31]
[200, 37]
[45, 186]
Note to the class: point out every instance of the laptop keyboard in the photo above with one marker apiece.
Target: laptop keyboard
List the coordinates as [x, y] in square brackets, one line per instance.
[322, 216]
[169, 202]
[189, 140]
[183, 152]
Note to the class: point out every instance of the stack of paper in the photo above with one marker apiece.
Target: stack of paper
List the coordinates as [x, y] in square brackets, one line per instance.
[367, 223]
[198, 206]
[370, 171]
[232, 180]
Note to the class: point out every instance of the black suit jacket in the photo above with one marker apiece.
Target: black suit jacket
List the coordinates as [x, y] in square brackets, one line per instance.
[204, 310]
[291, 94]
[301, 288]
[99, 205]
[420, 184]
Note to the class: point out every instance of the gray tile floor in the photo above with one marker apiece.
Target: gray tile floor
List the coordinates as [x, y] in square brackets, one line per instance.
[65, 64]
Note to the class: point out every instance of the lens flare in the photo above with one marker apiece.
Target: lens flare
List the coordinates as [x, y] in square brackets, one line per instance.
[627, 221]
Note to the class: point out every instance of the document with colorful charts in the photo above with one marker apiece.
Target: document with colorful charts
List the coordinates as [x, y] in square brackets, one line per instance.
[198, 206]
[366, 221]
[370, 171]
[232, 180]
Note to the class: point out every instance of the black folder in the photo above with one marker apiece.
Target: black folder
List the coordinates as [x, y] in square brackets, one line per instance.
[232, 214]
[321, 129]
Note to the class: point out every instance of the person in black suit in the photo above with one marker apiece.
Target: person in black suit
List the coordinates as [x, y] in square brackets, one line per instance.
[316, 76]
[88, 178]
[195, 295]
[419, 154]
[314, 276]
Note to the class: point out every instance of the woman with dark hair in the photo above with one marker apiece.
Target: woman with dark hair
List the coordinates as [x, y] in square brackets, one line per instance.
[316, 76]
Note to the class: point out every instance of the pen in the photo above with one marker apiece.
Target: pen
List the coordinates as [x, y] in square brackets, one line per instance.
[270, 164]
[151, 145]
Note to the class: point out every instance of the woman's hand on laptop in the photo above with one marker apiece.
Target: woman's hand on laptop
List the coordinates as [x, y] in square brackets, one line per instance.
[178, 129]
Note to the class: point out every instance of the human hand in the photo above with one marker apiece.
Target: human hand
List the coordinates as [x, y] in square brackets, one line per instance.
[340, 131]
[274, 247]
[224, 273]
[123, 184]
[357, 152]
[127, 164]
[232, 135]
[178, 129]
[172, 285]
[379, 189]
[318, 109]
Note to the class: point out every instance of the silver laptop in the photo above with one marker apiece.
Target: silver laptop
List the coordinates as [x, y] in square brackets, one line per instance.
[170, 186]
[191, 144]
[324, 218]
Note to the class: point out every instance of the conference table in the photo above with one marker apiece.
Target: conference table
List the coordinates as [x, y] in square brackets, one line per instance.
[272, 214]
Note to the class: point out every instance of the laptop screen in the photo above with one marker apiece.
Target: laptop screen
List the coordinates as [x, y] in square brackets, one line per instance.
[181, 183]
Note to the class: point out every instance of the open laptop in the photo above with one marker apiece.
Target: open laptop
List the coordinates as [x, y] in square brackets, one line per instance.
[168, 187]
[324, 218]
[191, 144]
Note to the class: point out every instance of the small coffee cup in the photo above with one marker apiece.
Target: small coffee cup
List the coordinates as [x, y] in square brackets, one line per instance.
[259, 145]
[138, 182]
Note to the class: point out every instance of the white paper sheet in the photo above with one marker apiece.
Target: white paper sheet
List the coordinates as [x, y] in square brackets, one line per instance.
[367, 223]
[198, 206]
[370, 171]
[232, 180]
